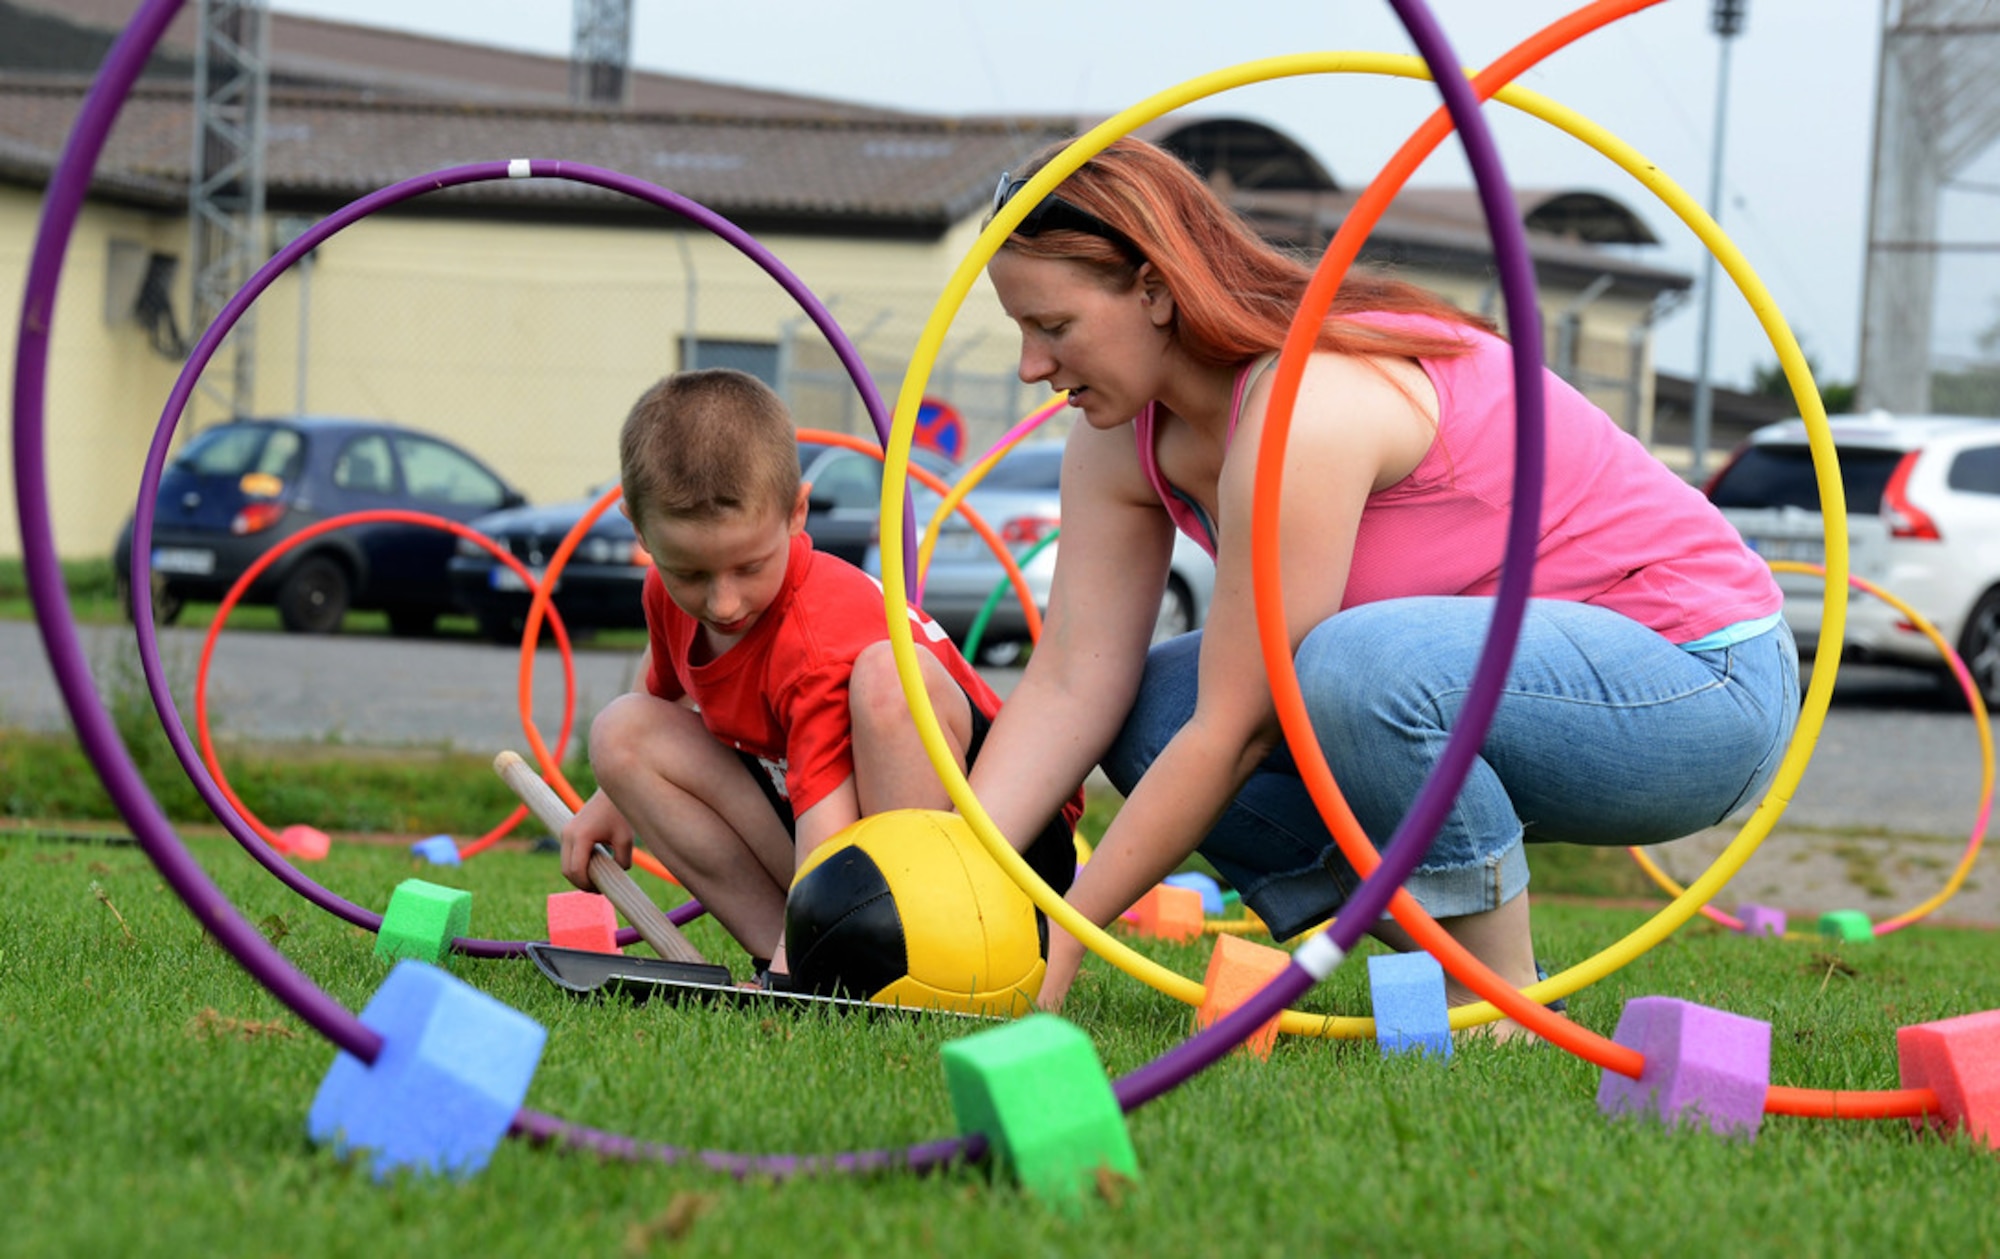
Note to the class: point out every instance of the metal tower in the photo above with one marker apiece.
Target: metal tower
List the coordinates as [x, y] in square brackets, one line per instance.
[226, 184]
[600, 62]
[1937, 109]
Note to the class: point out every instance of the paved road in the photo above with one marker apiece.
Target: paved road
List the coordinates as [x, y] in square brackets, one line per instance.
[365, 690]
[1898, 751]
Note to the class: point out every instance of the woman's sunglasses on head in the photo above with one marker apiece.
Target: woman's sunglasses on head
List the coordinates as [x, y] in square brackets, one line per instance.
[1054, 214]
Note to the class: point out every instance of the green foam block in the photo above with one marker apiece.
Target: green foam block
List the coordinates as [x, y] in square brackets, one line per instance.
[1036, 1089]
[422, 920]
[1849, 926]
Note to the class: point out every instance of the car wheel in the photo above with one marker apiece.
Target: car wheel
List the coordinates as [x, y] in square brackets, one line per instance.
[166, 604]
[314, 598]
[1003, 653]
[1980, 646]
[413, 622]
[1176, 612]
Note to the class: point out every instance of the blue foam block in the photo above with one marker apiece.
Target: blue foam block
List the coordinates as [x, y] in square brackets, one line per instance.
[1211, 891]
[439, 850]
[1410, 1012]
[454, 1068]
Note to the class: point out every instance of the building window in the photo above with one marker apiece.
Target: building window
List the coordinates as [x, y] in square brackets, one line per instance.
[758, 358]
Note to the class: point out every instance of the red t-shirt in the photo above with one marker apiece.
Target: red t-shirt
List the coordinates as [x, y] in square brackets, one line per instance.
[780, 694]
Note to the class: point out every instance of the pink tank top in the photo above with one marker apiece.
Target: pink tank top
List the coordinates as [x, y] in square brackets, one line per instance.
[1619, 529]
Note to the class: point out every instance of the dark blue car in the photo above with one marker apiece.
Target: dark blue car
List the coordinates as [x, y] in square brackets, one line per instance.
[599, 586]
[242, 487]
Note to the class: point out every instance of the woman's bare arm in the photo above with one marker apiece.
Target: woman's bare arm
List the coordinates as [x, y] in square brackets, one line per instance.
[1111, 568]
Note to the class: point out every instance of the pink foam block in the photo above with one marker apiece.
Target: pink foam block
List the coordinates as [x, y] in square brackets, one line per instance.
[1959, 1060]
[304, 842]
[582, 920]
[1761, 920]
[1702, 1066]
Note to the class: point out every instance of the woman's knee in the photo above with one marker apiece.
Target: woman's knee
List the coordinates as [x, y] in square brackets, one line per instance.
[1350, 663]
[1166, 699]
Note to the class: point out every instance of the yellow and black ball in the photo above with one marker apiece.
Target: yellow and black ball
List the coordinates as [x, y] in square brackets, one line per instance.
[908, 908]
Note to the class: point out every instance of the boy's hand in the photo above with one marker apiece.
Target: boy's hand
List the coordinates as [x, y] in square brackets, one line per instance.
[597, 822]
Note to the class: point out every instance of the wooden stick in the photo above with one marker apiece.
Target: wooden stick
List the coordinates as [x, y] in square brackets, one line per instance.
[654, 927]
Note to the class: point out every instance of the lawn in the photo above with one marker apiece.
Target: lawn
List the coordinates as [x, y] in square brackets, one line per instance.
[155, 1101]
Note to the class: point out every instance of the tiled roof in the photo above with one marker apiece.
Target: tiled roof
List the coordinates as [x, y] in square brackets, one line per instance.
[921, 174]
[1446, 227]
[307, 50]
[355, 108]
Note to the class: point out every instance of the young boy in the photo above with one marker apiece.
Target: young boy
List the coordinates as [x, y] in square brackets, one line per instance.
[771, 715]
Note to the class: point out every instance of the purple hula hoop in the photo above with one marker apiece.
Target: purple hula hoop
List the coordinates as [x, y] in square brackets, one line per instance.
[1427, 814]
[211, 340]
[101, 743]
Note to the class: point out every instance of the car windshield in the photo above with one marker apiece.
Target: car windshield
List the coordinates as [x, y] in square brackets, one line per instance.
[1037, 469]
[1782, 476]
[231, 450]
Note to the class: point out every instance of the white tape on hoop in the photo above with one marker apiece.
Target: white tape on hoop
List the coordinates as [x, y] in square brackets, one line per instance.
[1319, 956]
[517, 168]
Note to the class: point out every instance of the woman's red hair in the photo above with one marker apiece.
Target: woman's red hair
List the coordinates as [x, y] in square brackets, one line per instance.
[1234, 295]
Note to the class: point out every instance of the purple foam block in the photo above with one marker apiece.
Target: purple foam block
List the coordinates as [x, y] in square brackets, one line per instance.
[454, 1068]
[1702, 1065]
[439, 850]
[1761, 920]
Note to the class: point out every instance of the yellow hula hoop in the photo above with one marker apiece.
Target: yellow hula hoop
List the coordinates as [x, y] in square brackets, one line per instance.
[1977, 702]
[1797, 374]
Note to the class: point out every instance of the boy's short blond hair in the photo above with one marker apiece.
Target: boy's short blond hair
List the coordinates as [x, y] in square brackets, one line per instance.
[700, 445]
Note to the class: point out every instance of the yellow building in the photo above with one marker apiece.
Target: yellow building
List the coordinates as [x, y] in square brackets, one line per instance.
[521, 317]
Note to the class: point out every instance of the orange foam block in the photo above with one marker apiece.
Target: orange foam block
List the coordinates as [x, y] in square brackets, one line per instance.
[1959, 1060]
[582, 920]
[1168, 913]
[304, 842]
[1237, 970]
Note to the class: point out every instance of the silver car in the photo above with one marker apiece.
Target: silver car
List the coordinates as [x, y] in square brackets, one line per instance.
[1020, 497]
[1923, 523]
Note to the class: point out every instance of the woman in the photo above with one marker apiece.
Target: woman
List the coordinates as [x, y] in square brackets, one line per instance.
[1655, 685]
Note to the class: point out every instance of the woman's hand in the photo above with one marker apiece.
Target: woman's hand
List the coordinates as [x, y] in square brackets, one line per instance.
[1065, 956]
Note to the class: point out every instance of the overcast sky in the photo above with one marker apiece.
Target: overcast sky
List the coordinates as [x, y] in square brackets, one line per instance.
[1797, 148]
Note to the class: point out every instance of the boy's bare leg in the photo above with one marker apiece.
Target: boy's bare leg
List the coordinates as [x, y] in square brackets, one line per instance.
[692, 802]
[892, 770]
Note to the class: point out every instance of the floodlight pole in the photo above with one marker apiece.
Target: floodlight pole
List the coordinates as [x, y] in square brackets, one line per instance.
[1725, 20]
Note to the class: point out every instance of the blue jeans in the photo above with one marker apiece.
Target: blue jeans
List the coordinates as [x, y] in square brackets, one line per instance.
[1606, 733]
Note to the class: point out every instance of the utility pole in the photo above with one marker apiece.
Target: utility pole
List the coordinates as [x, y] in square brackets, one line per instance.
[600, 59]
[226, 180]
[1726, 20]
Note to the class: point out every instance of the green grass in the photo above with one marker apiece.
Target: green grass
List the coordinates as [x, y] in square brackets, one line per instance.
[412, 791]
[154, 1100]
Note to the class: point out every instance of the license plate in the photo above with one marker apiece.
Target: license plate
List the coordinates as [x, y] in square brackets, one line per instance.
[959, 544]
[191, 560]
[505, 578]
[1798, 550]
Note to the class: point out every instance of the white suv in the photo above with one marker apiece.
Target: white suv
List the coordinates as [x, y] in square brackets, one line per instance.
[1923, 515]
